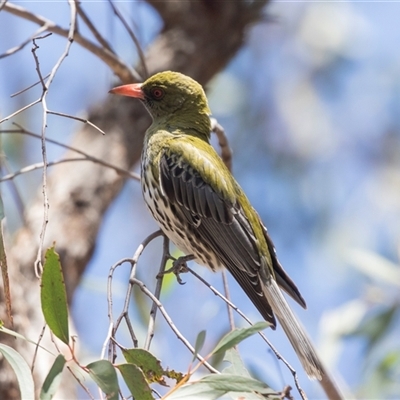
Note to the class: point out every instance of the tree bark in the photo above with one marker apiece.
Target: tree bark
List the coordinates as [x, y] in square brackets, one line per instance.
[199, 38]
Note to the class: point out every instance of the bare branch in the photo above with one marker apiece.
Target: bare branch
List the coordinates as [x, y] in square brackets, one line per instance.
[122, 70]
[24, 43]
[157, 292]
[34, 167]
[134, 39]
[274, 350]
[29, 87]
[84, 120]
[226, 151]
[20, 110]
[227, 295]
[169, 321]
[2, 4]
[80, 383]
[92, 28]
[124, 314]
[38, 261]
[121, 171]
[14, 190]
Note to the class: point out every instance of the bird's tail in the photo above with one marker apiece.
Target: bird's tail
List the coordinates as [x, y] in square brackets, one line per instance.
[296, 334]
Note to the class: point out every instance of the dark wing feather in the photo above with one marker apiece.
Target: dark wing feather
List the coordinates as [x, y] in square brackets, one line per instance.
[182, 184]
[224, 229]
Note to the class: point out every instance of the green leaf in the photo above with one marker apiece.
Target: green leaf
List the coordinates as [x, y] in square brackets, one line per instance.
[375, 327]
[103, 373]
[214, 386]
[374, 266]
[149, 364]
[53, 379]
[22, 370]
[54, 296]
[237, 367]
[201, 337]
[238, 335]
[4, 269]
[2, 215]
[19, 336]
[197, 391]
[136, 381]
[236, 383]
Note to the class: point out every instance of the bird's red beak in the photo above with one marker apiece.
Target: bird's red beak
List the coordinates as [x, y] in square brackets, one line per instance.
[132, 90]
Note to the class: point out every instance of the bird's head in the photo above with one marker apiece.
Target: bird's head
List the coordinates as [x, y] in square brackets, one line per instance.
[171, 97]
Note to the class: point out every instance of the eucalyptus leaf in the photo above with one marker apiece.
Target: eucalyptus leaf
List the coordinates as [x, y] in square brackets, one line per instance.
[54, 297]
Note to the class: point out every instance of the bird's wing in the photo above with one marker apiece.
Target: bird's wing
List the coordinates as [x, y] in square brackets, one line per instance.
[222, 222]
[197, 190]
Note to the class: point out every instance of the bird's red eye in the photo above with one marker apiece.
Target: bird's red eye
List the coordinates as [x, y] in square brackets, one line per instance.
[157, 93]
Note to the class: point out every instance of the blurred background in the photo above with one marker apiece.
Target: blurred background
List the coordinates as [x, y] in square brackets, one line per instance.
[311, 107]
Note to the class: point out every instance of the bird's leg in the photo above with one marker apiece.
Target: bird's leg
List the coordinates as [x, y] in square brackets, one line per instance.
[178, 267]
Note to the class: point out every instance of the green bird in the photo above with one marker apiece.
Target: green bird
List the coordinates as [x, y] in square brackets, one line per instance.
[202, 209]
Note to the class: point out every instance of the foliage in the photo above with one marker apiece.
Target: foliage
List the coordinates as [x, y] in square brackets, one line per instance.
[141, 368]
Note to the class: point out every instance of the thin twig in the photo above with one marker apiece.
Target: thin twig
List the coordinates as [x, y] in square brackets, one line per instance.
[34, 167]
[2, 4]
[20, 110]
[169, 321]
[157, 292]
[133, 37]
[38, 261]
[80, 383]
[274, 350]
[65, 146]
[107, 339]
[110, 305]
[124, 314]
[228, 296]
[14, 190]
[122, 70]
[84, 120]
[37, 347]
[92, 28]
[24, 43]
[46, 86]
[29, 87]
[226, 151]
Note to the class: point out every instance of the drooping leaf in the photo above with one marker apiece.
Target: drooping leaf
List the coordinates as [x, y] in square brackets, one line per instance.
[53, 379]
[22, 370]
[4, 267]
[236, 336]
[214, 386]
[236, 366]
[375, 327]
[201, 337]
[19, 336]
[54, 297]
[236, 383]
[104, 374]
[375, 266]
[2, 214]
[136, 381]
[198, 391]
[149, 364]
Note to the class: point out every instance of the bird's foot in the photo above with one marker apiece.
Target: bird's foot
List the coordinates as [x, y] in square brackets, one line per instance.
[179, 266]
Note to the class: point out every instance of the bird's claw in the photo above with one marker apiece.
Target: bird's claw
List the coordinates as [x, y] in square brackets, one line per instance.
[179, 266]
